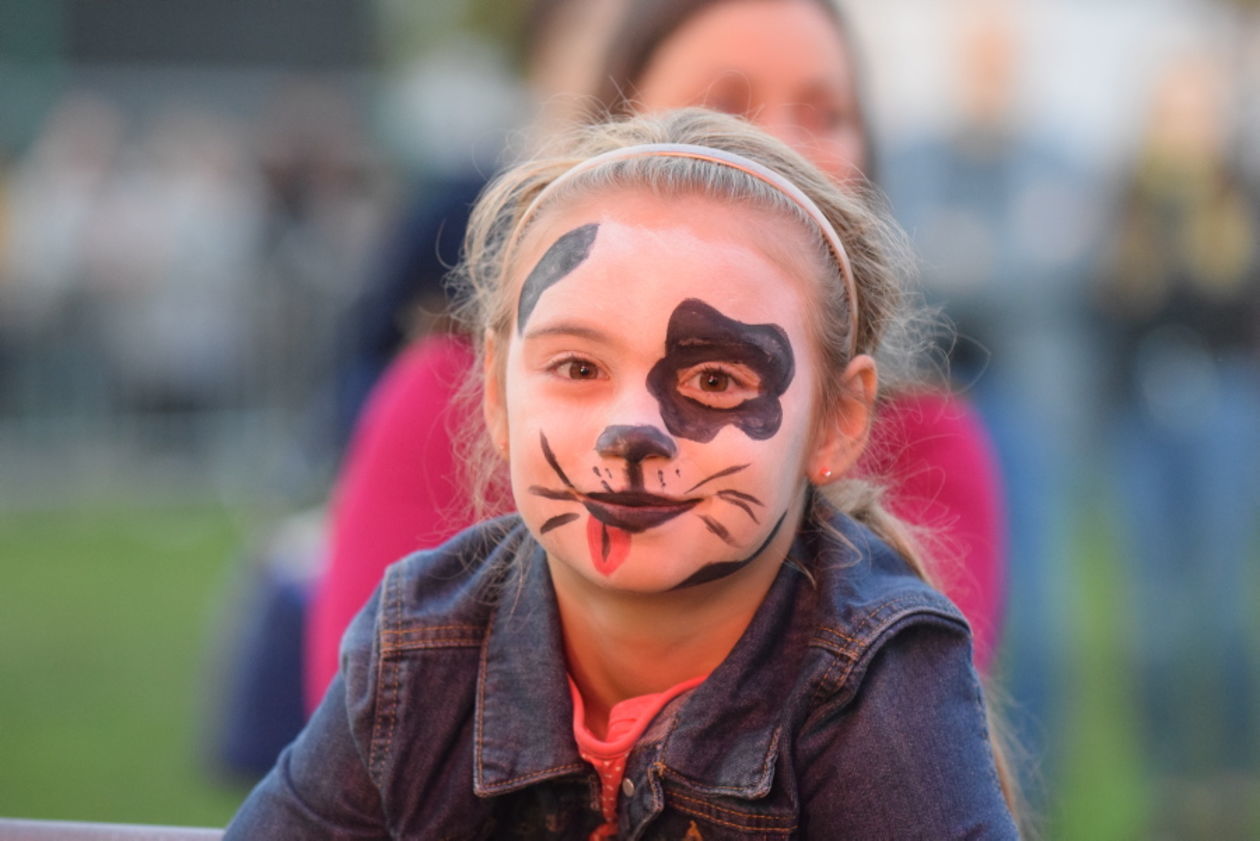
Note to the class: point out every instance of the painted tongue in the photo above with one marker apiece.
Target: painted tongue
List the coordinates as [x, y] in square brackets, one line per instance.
[609, 545]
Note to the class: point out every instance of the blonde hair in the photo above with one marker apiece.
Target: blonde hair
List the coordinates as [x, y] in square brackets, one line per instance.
[890, 324]
[883, 326]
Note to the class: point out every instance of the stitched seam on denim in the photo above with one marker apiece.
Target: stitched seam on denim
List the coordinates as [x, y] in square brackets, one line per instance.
[480, 729]
[977, 696]
[426, 628]
[481, 706]
[738, 791]
[704, 815]
[419, 645]
[673, 795]
[536, 775]
[728, 790]
[826, 684]
[848, 651]
[893, 626]
[466, 636]
[835, 633]
[387, 716]
[885, 614]
[830, 684]
[875, 623]
[884, 619]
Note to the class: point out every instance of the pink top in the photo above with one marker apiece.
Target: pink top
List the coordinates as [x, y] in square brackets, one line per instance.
[398, 492]
[626, 722]
[936, 456]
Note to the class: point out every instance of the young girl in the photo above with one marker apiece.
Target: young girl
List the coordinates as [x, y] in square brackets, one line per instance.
[696, 627]
[788, 66]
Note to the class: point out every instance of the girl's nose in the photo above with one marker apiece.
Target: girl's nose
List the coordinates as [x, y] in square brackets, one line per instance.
[635, 443]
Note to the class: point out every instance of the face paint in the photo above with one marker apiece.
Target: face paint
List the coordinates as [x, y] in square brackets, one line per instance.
[718, 371]
[609, 546]
[634, 444]
[614, 516]
[564, 255]
[633, 510]
[661, 409]
[712, 572]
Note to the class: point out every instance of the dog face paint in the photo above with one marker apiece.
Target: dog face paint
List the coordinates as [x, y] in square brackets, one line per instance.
[562, 257]
[704, 351]
[658, 396]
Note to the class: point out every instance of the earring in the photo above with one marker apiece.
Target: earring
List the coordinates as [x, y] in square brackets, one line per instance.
[824, 475]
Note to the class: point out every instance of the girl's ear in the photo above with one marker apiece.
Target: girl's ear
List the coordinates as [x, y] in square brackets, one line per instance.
[493, 401]
[843, 434]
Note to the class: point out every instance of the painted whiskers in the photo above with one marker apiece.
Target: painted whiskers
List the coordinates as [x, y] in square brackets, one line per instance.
[616, 515]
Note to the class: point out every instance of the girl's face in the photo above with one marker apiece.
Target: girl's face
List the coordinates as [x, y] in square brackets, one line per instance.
[657, 399]
[780, 63]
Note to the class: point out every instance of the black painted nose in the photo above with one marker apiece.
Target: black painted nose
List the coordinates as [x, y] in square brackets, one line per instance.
[635, 443]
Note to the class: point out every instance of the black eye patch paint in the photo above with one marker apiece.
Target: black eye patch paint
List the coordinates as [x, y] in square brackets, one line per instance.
[564, 255]
[697, 334]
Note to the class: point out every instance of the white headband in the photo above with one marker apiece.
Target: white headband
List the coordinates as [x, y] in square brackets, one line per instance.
[734, 161]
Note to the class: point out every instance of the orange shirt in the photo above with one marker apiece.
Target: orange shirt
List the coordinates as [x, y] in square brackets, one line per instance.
[626, 722]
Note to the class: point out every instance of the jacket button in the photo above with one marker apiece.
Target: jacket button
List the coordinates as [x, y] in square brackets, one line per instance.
[627, 787]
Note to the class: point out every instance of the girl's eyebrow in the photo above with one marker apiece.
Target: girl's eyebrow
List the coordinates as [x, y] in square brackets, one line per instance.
[568, 328]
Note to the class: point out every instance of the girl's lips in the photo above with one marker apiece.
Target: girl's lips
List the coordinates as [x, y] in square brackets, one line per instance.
[635, 511]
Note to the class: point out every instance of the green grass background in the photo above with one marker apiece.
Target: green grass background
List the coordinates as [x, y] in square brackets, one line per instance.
[108, 615]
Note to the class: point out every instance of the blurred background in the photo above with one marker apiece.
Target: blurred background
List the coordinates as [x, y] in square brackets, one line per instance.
[194, 198]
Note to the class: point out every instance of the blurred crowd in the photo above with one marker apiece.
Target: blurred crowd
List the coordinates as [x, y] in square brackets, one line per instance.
[180, 267]
[1108, 328]
[174, 267]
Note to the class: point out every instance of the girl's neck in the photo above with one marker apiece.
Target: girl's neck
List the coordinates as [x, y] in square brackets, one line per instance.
[622, 645]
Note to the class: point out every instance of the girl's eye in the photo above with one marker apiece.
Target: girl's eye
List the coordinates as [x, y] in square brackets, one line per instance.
[582, 371]
[715, 381]
[724, 386]
[577, 369]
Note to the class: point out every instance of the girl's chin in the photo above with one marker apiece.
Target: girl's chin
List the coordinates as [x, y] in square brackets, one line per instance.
[645, 574]
[639, 583]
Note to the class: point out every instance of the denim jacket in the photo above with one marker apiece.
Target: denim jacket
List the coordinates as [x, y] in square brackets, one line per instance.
[848, 709]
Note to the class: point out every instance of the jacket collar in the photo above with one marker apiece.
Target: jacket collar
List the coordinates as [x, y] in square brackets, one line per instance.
[524, 724]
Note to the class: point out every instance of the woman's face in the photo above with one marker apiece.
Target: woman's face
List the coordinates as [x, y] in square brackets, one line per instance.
[658, 389]
[780, 63]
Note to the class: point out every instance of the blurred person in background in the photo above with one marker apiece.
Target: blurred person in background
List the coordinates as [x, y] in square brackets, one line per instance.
[314, 216]
[788, 66]
[1180, 305]
[169, 258]
[323, 191]
[54, 197]
[404, 295]
[1003, 220]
